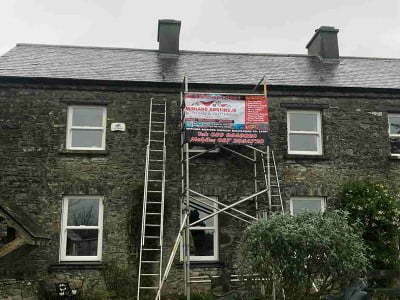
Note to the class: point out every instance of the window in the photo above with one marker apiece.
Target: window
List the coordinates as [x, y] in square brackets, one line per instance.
[204, 235]
[304, 132]
[86, 128]
[200, 149]
[81, 228]
[302, 204]
[394, 134]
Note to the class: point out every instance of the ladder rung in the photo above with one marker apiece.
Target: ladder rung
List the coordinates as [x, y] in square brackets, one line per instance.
[150, 261]
[158, 103]
[150, 274]
[157, 113]
[153, 214]
[159, 131]
[153, 225]
[154, 191]
[159, 141]
[151, 237]
[156, 150]
[155, 180]
[149, 249]
[149, 287]
[157, 122]
[158, 160]
[155, 170]
[153, 202]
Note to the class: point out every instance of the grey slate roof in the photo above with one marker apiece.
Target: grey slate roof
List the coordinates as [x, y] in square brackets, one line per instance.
[95, 63]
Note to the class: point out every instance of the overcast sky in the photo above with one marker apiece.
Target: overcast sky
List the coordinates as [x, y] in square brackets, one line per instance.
[367, 27]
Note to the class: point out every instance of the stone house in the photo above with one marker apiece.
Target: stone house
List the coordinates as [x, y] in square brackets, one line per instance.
[346, 113]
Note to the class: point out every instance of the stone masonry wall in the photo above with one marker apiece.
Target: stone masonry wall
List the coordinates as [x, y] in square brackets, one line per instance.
[36, 171]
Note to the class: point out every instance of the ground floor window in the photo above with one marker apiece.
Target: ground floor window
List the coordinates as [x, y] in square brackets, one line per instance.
[204, 235]
[81, 228]
[302, 204]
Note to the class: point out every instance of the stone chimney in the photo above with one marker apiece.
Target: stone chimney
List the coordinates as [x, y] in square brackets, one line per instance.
[324, 43]
[168, 36]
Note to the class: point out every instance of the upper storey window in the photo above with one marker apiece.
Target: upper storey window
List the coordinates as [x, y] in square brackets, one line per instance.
[304, 132]
[86, 128]
[394, 133]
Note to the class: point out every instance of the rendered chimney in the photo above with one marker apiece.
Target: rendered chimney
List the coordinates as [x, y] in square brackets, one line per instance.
[168, 36]
[324, 43]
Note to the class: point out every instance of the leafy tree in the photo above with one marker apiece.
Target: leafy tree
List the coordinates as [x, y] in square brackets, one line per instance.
[372, 206]
[307, 255]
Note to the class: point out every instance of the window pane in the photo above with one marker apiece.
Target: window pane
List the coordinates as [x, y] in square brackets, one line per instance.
[83, 212]
[301, 205]
[82, 242]
[395, 145]
[199, 211]
[394, 124]
[303, 142]
[303, 121]
[202, 242]
[86, 138]
[87, 116]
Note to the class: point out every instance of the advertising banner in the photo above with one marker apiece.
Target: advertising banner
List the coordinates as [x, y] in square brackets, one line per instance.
[226, 119]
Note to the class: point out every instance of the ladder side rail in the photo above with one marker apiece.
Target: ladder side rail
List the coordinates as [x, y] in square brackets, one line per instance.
[269, 178]
[265, 176]
[255, 181]
[144, 210]
[163, 194]
[172, 256]
[277, 182]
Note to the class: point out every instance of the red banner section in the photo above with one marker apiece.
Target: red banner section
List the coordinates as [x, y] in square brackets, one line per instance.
[226, 119]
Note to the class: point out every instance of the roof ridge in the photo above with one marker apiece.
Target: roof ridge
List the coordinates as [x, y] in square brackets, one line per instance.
[201, 52]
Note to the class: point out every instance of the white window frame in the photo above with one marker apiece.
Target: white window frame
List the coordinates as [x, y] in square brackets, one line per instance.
[200, 149]
[70, 127]
[64, 227]
[210, 258]
[321, 199]
[317, 133]
[393, 135]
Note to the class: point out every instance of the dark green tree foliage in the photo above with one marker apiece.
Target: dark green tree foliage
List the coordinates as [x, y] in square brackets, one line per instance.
[376, 210]
[307, 255]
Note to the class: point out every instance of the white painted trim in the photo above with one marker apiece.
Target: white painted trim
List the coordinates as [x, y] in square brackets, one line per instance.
[317, 133]
[70, 127]
[64, 227]
[210, 258]
[200, 149]
[321, 199]
[392, 115]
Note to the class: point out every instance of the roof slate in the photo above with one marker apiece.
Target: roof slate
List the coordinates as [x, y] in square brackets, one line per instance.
[119, 64]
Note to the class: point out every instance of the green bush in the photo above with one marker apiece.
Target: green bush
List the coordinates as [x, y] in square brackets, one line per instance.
[376, 210]
[307, 255]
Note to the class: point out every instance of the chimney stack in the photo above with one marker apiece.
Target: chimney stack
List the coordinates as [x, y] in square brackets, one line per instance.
[324, 43]
[168, 36]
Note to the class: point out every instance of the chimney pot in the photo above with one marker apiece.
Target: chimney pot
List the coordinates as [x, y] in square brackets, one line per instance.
[168, 36]
[324, 43]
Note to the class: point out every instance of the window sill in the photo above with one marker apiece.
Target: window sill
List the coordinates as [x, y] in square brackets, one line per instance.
[78, 265]
[305, 157]
[83, 152]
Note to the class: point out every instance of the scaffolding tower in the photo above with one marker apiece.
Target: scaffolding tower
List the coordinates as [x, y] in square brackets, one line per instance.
[266, 194]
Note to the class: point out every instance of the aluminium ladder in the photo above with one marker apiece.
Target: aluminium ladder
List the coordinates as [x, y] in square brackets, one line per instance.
[271, 178]
[151, 241]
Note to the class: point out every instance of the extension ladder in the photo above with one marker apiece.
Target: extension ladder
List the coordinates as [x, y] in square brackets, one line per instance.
[151, 241]
[271, 178]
